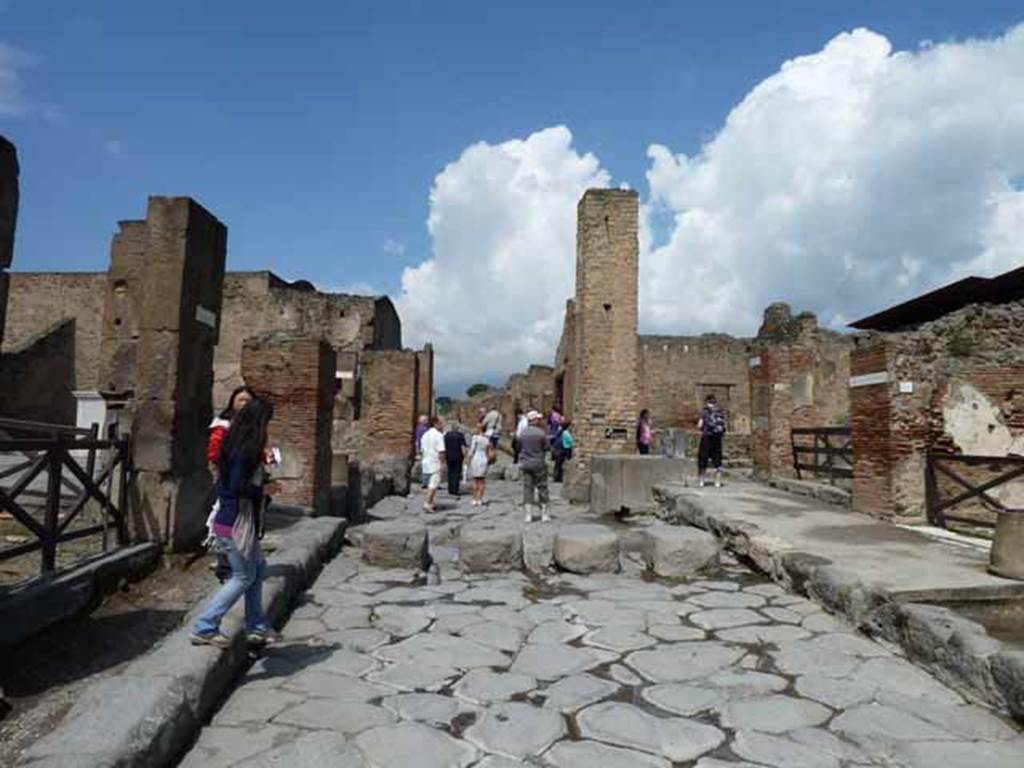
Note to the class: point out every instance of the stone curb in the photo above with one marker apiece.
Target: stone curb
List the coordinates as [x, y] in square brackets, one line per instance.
[956, 650]
[149, 713]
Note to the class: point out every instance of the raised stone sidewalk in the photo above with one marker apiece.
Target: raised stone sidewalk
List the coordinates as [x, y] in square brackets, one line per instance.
[890, 581]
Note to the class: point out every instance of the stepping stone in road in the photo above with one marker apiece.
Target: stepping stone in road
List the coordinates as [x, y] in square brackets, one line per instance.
[587, 548]
[396, 544]
[677, 552]
[493, 546]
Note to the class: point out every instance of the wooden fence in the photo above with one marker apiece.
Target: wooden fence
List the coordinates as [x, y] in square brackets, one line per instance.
[823, 452]
[967, 482]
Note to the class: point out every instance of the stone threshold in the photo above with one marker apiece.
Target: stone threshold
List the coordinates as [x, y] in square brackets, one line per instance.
[149, 713]
[777, 535]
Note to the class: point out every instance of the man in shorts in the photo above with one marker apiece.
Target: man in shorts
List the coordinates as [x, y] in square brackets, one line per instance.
[492, 425]
[432, 446]
[533, 445]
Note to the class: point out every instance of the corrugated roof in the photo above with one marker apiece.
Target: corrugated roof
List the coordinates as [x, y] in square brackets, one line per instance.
[942, 301]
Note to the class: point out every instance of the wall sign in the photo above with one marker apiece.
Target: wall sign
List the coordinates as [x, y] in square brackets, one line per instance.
[206, 317]
[755, 361]
[868, 379]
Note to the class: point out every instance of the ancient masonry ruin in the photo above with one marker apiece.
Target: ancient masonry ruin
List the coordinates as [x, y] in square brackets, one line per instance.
[158, 341]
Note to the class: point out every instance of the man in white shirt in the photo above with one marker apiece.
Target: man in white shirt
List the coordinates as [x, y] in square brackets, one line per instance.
[492, 425]
[432, 448]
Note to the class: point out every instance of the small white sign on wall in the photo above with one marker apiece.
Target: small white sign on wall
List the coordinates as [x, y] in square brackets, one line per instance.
[906, 387]
[206, 317]
[867, 379]
[755, 361]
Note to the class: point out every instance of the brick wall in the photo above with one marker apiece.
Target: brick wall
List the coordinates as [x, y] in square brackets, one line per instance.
[606, 363]
[425, 381]
[297, 376]
[388, 404]
[563, 375]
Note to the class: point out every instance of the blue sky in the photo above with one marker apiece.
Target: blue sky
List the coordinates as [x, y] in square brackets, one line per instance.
[316, 130]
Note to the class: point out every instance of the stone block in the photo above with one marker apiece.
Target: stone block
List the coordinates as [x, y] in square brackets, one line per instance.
[490, 547]
[396, 544]
[620, 483]
[677, 552]
[587, 548]
[538, 548]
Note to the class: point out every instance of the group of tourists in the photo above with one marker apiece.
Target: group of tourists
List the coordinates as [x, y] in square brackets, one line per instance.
[240, 461]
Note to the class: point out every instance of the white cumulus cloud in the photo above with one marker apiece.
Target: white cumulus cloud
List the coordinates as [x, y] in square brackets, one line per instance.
[851, 179]
[503, 225]
[11, 102]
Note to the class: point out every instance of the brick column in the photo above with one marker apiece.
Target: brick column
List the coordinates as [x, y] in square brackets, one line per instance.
[606, 372]
[388, 406]
[8, 219]
[181, 287]
[297, 375]
[771, 405]
[871, 422]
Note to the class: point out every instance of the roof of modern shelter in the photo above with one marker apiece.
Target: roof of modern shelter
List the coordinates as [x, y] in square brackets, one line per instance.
[1003, 288]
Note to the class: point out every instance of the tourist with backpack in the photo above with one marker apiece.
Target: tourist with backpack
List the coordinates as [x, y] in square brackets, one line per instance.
[533, 445]
[239, 398]
[241, 487]
[712, 429]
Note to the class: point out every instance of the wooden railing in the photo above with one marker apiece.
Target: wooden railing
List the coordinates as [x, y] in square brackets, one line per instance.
[45, 488]
[986, 474]
[830, 450]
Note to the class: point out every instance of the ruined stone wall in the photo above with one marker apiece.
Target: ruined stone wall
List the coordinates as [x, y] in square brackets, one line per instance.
[952, 384]
[181, 293]
[297, 376]
[534, 389]
[37, 301]
[8, 219]
[256, 303]
[563, 374]
[37, 378]
[799, 378]
[122, 309]
[678, 372]
[606, 358]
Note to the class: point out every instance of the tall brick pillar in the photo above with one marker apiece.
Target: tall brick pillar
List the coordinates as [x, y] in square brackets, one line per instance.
[425, 380]
[297, 375]
[122, 310]
[389, 412]
[8, 219]
[181, 288]
[606, 380]
[771, 405]
[876, 451]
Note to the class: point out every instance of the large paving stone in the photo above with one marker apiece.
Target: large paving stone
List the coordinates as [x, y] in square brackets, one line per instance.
[329, 685]
[255, 705]
[684, 661]
[725, 618]
[396, 544]
[587, 548]
[413, 744]
[773, 714]
[538, 549]
[500, 636]
[347, 717]
[624, 725]
[958, 754]
[768, 749]
[517, 730]
[409, 676]
[440, 650]
[550, 661]
[577, 691]
[727, 600]
[428, 708]
[556, 631]
[221, 746]
[682, 699]
[310, 750]
[763, 634]
[677, 552]
[870, 723]
[592, 754]
[490, 546]
[618, 638]
[482, 686]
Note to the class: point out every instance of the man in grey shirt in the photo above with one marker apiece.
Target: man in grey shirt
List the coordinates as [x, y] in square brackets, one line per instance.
[533, 442]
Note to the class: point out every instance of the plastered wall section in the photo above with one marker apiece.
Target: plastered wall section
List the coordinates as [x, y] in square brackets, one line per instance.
[952, 385]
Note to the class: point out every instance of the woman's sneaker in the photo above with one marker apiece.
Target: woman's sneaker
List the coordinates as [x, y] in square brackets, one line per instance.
[262, 637]
[215, 639]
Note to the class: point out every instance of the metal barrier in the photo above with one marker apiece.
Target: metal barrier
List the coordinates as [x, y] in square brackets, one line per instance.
[831, 450]
[45, 488]
[939, 465]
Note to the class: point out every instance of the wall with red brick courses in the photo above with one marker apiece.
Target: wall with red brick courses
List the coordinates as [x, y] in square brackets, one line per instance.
[388, 405]
[425, 381]
[953, 384]
[797, 379]
[297, 376]
[563, 375]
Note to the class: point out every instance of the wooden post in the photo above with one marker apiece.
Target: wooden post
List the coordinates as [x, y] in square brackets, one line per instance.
[49, 549]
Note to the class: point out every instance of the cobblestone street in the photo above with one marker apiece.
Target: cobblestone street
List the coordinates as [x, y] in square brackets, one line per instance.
[378, 668]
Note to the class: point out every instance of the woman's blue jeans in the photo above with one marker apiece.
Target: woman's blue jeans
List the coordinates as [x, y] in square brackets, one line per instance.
[246, 578]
